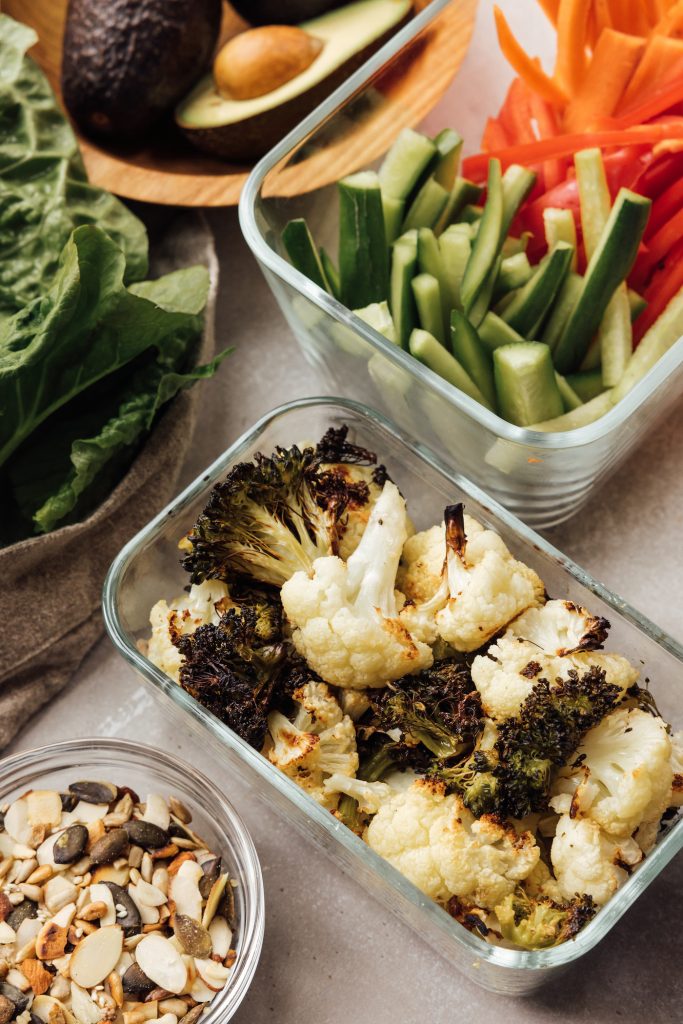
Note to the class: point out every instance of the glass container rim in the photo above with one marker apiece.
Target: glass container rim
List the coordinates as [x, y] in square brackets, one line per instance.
[498, 956]
[227, 821]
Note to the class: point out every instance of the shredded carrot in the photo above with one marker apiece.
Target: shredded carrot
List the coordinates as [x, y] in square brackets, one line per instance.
[609, 72]
[527, 69]
[550, 9]
[566, 145]
[657, 66]
[545, 118]
[636, 17]
[572, 23]
[671, 22]
[661, 99]
[603, 15]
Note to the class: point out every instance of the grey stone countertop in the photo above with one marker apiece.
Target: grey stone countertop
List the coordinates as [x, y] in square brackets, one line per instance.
[331, 954]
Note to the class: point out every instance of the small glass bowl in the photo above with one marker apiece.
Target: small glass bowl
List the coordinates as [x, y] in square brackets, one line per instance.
[145, 769]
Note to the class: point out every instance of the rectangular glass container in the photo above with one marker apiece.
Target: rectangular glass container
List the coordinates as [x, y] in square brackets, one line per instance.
[148, 569]
[543, 477]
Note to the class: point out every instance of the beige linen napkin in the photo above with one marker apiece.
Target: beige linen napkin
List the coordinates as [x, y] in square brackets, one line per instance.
[50, 586]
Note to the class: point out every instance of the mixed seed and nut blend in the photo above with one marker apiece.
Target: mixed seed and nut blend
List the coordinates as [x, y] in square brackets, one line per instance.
[110, 910]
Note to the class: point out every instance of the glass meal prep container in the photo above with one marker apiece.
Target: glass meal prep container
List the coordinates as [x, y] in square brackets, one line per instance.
[148, 569]
[543, 477]
[148, 770]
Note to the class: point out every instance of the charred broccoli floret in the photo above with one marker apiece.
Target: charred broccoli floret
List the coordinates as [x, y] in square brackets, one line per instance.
[276, 515]
[539, 922]
[512, 776]
[237, 669]
[438, 708]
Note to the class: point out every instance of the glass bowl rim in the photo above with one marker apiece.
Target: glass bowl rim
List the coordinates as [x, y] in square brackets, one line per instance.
[610, 422]
[227, 821]
[509, 959]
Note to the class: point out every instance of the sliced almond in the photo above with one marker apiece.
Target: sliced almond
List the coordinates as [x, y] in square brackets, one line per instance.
[65, 915]
[101, 893]
[49, 1010]
[58, 892]
[18, 826]
[184, 890]
[51, 941]
[7, 934]
[37, 976]
[200, 991]
[44, 807]
[214, 975]
[116, 987]
[108, 873]
[174, 866]
[84, 1009]
[162, 963]
[28, 931]
[83, 813]
[148, 894]
[157, 811]
[96, 956]
[96, 830]
[45, 853]
[221, 936]
[215, 896]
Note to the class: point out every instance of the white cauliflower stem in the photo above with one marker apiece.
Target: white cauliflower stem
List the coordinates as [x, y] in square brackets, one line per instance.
[345, 614]
[482, 587]
[436, 843]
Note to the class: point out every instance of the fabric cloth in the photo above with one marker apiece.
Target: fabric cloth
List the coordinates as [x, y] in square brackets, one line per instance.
[50, 585]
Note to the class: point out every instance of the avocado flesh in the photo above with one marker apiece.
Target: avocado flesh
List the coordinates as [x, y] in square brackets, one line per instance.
[245, 129]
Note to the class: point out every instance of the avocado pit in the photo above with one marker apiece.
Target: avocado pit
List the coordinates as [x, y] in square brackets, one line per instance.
[260, 60]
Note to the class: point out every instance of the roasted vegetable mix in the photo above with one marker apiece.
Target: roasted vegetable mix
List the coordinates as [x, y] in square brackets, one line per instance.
[423, 688]
[544, 281]
[110, 908]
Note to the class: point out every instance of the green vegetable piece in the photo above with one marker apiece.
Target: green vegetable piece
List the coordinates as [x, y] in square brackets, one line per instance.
[428, 301]
[471, 214]
[516, 184]
[425, 347]
[393, 217]
[448, 146]
[463, 193]
[581, 417]
[560, 226]
[531, 303]
[430, 261]
[514, 273]
[609, 266]
[487, 243]
[471, 354]
[485, 296]
[570, 399]
[363, 256]
[525, 383]
[330, 272]
[564, 303]
[427, 207]
[637, 304]
[402, 302]
[587, 384]
[405, 163]
[494, 332]
[303, 255]
[664, 333]
[455, 248]
[539, 922]
[379, 317]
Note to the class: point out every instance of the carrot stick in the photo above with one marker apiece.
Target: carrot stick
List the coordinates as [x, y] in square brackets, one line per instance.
[566, 145]
[545, 117]
[637, 22]
[550, 8]
[612, 65]
[670, 22]
[572, 23]
[660, 57]
[527, 69]
[663, 98]
[603, 16]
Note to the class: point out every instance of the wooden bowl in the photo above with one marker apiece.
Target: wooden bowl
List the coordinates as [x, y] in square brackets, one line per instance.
[169, 170]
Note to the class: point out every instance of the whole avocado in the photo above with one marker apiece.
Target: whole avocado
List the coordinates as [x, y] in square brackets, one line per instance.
[127, 62]
[283, 12]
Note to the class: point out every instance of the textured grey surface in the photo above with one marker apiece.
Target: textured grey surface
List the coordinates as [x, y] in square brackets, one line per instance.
[332, 956]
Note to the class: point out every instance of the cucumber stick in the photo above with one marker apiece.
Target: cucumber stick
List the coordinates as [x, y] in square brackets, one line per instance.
[331, 273]
[531, 303]
[377, 315]
[615, 332]
[428, 301]
[401, 300]
[560, 226]
[609, 266]
[487, 243]
[526, 384]
[303, 254]
[455, 247]
[570, 399]
[463, 194]
[430, 261]
[405, 163]
[494, 332]
[427, 207]
[448, 148]
[561, 311]
[429, 351]
[587, 384]
[516, 183]
[394, 210]
[514, 273]
[363, 254]
[664, 333]
[471, 354]
[581, 417]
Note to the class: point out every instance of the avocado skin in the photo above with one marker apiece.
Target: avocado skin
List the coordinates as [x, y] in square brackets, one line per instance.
[127, 62]
[246, 141]
[283, 12]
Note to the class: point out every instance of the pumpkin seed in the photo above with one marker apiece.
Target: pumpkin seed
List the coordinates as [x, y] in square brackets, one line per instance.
[18, 999]
[111, 846]
[193, 1015]
[94, 792]
[211, 869]
[7, 1010]
[136, 983]
[25, 909]
[194, 939]
[70, 845]
[146, 834]
[130, 921]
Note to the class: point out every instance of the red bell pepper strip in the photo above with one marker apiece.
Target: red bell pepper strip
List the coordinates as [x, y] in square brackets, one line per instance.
[664, 208]
[661, 100]
[662, 243]
[495, 136]
[658, 175]
[665, 285]
[475, 167]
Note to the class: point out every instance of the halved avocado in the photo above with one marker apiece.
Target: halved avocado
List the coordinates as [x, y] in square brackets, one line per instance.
[282, 12]
[242, 130]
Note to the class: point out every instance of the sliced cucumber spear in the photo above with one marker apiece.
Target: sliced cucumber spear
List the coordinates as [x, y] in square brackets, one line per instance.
[377, 315]
[393, 216]
[429, 351]
[363, 254]
[405, 163]
[560, 226]
[448, 146]
[570, 399]
[587, 384]
[531, 303]
[463, 194]
[428, 301]
[525, 383]
[427, 207]
[455, 247]
[514, 273]
[516, 183]
[471, 354]
[331, 273]
[403, 270]
[609, 266]
[303, 254]
[494, 332]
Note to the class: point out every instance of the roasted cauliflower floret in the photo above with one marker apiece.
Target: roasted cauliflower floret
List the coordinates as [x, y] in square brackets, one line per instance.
[368, 795]
[202, 606]
[308, 757]
[624, 774]
[676, 796]
[435, 842]
[588, 861]
[482, 587]
[562, 627]
[318, 709]
[345, 614]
